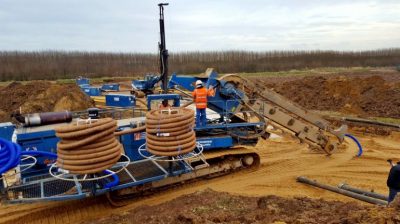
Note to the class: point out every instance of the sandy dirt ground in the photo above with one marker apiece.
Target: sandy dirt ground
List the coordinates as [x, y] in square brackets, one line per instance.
[282, 160]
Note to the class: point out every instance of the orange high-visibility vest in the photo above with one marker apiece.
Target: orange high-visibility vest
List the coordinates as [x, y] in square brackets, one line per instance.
[162, 107]
[200, 97]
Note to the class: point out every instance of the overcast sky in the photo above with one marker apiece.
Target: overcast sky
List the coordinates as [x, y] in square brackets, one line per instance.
[132, 25]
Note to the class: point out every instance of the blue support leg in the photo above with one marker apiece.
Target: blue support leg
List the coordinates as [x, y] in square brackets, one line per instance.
[203, 117]
[198, 117]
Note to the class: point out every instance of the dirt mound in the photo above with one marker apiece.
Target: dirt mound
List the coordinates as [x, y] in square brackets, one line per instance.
[214, 207]
[41, 96]
[371, 96]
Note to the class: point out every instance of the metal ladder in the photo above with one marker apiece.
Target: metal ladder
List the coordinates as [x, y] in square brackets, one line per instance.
[190, 160]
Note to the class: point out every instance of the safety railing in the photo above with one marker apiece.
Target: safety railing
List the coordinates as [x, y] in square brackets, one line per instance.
[221, 111]
[115, 112]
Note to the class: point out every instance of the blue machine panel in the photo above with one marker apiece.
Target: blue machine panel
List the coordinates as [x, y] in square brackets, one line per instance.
[6, 130]
[217, 142]
[84, 85]
[92, 91]
[119, 100]
[225, 101]
[41, 141]
[81, 81]
[175, 97]
[110, 86]
[187, 82]
[147, 84]
[131, 144]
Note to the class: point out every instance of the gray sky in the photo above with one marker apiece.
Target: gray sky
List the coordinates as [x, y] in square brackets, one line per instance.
[132, 25]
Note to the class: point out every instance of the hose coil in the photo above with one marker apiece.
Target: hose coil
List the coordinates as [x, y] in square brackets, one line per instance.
[10, 155]
[171, 133]
[88, 148]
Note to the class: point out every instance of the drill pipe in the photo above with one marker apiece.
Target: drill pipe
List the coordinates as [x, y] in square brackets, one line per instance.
[371, 200]
[363, 192]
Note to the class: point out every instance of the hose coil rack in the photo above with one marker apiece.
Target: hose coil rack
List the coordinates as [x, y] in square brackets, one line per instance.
[170, 132]
[88, 148]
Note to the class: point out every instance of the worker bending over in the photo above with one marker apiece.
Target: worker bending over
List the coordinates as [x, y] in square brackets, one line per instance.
[200, 95]
[393, 181]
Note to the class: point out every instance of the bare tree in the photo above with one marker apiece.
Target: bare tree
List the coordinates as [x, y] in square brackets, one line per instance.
[19, 65]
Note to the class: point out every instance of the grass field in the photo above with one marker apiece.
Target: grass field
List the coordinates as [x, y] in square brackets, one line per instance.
[315, 71]
[290, 73]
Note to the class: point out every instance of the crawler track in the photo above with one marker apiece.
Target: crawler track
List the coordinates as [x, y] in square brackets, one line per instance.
[90, 208]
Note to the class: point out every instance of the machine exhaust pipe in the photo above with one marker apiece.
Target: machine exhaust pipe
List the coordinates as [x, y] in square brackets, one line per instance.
[38, 119]
[360, 197]
[363, 192]
[47, 118]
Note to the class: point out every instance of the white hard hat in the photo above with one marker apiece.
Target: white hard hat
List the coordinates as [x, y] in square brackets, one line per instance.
[199, 83]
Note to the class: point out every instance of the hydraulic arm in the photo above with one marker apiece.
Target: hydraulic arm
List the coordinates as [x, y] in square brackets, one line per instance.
[284, 114]
[236, 96]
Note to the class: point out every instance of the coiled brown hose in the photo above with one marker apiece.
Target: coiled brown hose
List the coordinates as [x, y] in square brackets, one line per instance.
[171, 133]
[88, 148]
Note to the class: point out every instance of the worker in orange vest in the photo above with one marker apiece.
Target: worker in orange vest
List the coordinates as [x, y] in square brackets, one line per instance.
[200, 95]
[164, 105]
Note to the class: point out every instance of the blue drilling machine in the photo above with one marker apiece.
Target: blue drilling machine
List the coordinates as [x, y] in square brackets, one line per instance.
[141, 88]
[238, 116]
[241, 114]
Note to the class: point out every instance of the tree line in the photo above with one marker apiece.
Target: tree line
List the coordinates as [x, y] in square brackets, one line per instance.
[20, 65]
